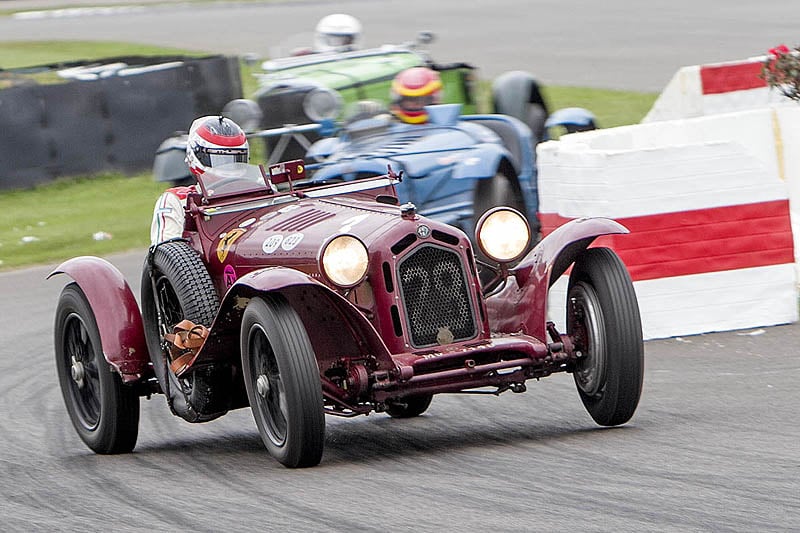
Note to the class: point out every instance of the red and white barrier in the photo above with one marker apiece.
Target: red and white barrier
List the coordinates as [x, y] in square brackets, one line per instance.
[701, 90]
[711, 245]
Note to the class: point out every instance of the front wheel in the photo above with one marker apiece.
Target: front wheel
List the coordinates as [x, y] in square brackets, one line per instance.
[604, 323]
[103, 410]
[282, 380]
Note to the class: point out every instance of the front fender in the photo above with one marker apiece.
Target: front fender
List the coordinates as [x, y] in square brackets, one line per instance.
[322, 149]
[522, 304]
[481, 162]
[116, 312]
[340, 169]
[335, 327]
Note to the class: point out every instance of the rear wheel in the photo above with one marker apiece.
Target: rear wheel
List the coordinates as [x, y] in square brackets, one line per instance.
[179, 284]
[103, 410]
[604, 323]
[409, 407]
[282, 380]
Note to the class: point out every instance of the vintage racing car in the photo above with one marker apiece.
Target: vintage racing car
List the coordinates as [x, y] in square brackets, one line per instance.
[455, 167]
[356, 75]
[299, 300]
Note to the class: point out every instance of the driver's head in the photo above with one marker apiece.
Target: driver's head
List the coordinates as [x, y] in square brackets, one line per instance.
[215, 141]
[412, 90]
[337, 32]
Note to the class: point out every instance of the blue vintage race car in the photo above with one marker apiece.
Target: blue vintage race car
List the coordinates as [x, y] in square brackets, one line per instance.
[454, 168]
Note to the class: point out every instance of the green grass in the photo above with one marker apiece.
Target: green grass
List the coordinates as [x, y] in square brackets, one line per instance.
[54, 222]
[612, 108]
[59, 220]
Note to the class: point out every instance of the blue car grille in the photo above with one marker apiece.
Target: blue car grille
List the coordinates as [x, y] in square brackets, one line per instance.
[437, 302]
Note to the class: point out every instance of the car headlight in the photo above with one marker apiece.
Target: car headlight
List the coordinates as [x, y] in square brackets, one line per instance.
[344, 261]
[503, 234]
[246, 113]
[322, 103]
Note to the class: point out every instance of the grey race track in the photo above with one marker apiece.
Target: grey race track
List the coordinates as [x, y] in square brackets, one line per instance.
[714, 445]
[621, 44]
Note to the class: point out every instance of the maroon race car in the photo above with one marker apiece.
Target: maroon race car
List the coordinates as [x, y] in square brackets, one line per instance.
[302, 300]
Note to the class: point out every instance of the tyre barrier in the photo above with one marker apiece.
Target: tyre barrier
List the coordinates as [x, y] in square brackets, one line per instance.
[712, 246]
[109, 115]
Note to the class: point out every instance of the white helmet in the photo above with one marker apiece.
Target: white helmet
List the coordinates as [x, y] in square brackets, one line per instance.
[215, 141]
[337, 32]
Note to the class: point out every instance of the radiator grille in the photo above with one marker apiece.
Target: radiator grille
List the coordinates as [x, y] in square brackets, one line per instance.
[435, 296]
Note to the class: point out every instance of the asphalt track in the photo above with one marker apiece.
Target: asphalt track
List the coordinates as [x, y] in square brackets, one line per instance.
[714, 445]
[619, 44]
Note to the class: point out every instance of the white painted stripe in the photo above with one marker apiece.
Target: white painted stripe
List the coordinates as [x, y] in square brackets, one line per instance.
[73, 12]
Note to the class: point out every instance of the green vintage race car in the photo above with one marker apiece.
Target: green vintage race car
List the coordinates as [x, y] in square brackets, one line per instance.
[286, 85]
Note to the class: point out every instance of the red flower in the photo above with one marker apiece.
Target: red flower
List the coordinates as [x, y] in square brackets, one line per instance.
[779, 50]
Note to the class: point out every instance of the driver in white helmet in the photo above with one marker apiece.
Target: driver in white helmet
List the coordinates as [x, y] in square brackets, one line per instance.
[337, 32]
[213, 141]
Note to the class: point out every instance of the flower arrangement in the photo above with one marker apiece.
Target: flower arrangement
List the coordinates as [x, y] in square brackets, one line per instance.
[781, 70]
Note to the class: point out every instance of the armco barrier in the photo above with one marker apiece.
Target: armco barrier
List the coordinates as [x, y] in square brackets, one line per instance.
[711, 244]
[112, 119]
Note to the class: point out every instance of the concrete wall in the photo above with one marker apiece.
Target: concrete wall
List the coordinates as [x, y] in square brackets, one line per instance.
[711, 202]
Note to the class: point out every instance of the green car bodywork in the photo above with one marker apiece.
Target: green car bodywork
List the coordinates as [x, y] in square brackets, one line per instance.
[361, 75]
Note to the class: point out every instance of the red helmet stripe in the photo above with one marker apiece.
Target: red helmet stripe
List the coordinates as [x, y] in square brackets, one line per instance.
[411, 117]
[221, 140]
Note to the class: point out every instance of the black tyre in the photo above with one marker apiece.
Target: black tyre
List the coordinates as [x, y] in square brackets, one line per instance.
[603, 320]
[184, 290]
[282, 380]
[104, 411]
[409, 407]
[494, 192]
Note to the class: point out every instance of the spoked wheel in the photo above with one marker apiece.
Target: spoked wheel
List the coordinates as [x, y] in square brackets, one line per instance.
[282, 380]
[409, 407]
[604, 323]
[103, 410]
[179, 284]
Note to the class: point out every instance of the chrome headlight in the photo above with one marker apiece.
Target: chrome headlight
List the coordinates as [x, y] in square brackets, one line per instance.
[246, 113]
[344, 261]
[503, 234]
[321, 104]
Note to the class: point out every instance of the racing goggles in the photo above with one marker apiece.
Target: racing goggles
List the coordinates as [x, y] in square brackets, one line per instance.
[337, 40]
[215, 157]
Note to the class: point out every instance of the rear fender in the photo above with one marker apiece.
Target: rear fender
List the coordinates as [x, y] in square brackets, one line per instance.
[116, 312]
[521, 306]
[335, 327]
